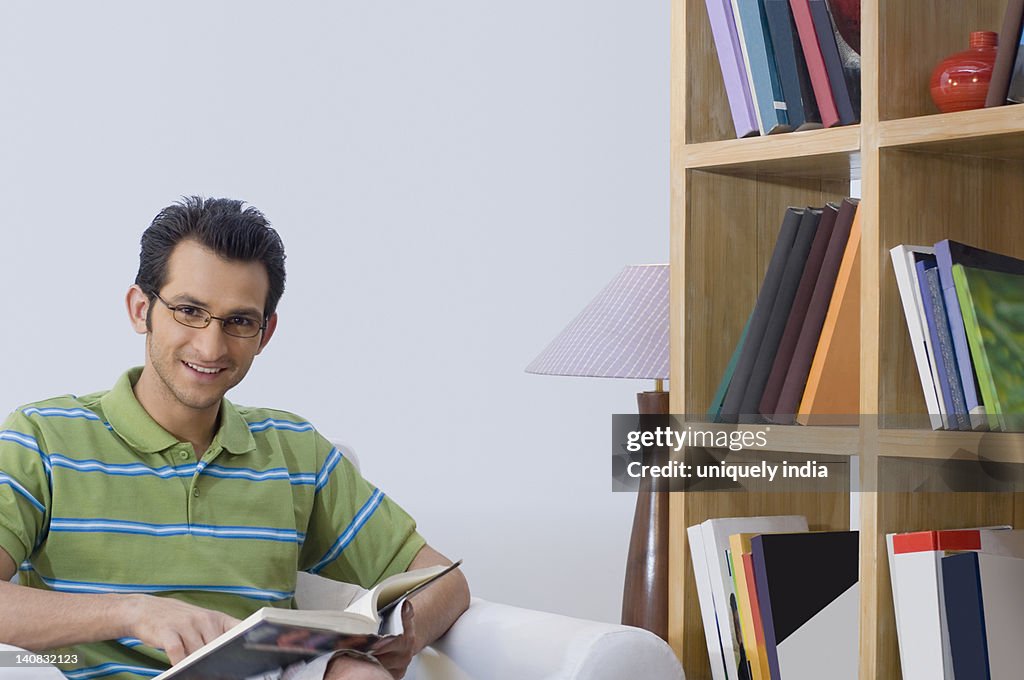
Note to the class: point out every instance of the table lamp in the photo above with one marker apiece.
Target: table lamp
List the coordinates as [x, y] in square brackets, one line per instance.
[623, 333]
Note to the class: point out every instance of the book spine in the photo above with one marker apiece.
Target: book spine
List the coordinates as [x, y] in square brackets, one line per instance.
[795, 263]
[1006, 54]
[803, 354]
[760, 316]
[815, 62]
[993, 408]
[906, 282]
[938, 327]
[779, 18]
[961, 581]
[837, 78]
[975, 407]
[760, 62]
[1015, 93]
[730, 59]
[787, 345]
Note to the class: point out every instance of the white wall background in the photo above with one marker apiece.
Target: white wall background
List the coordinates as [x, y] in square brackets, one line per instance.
[453, 180]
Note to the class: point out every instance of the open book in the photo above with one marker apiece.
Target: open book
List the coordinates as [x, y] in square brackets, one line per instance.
[273, 638]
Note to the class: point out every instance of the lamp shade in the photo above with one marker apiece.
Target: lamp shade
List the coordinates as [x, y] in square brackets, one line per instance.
[622, 333]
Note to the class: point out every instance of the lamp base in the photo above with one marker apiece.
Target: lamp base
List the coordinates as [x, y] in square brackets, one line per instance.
[645, 593]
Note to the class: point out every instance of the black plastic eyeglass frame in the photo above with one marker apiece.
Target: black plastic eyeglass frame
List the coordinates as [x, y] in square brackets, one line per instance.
[209, 317]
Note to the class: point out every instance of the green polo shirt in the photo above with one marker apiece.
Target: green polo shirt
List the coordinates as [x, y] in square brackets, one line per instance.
[96, 497]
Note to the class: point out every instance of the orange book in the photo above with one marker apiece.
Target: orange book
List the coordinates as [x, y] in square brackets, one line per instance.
[832, 393]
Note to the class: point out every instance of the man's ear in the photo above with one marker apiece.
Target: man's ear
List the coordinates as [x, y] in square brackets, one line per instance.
[268, 331]
[138, 309]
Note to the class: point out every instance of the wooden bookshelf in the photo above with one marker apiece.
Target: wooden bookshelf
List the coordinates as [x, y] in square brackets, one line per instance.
[924, 176]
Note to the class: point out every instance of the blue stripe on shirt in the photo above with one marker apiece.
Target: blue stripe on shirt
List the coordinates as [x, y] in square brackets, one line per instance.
[106, 669]
[273, 424]
[112, 526]
[66, 586]
[11, 482]
[347, 536]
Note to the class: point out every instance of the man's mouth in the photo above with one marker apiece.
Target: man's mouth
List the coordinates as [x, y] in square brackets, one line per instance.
[205, 370]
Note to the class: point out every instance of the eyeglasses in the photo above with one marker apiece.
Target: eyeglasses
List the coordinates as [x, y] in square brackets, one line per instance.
[238, 325]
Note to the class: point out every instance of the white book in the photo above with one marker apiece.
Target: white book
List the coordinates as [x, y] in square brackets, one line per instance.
[712, 635]
[716, 549]
[924, 354]
[1002, 593]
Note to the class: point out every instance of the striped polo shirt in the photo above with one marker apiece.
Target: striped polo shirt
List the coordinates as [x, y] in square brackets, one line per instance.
[96, 497]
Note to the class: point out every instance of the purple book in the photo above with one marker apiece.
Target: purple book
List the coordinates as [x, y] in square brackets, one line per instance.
[730, 58]
[942, 341]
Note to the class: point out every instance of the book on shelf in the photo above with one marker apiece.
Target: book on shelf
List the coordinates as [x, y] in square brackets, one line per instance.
[807, 342]
[801, 107]
[1015, 91]
[937, 320]
[992, 305]
[928, 638]
[715, 411]
[815, 62]
[832, 393]
[796, 262]
[904, 263]
[759, 60]
[761, 315]
[711, 552]
[272, 638]
[807, 586]
[842, 65]
[730, 61]
[1006, 53]
[787, 344]
[961, 585]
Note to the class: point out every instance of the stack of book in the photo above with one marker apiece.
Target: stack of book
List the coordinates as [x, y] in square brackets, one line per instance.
[1007, 84]
[959, 602]
[777, 602]
[785, 65]
[964, 308]
[798, 359]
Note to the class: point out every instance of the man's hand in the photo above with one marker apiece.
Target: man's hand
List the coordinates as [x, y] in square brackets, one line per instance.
[394, 654]
[176, 627]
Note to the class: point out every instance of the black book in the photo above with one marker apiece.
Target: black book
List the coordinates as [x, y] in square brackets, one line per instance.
[760, 316]
[1016, 91]
[791, 275]
[801, 105]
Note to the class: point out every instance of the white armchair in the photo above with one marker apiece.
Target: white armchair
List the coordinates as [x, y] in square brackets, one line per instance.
[498, 642]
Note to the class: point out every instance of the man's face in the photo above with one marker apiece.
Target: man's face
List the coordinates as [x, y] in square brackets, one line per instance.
[197, 366]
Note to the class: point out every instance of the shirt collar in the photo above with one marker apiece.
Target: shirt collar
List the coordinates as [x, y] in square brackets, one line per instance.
[133, 423]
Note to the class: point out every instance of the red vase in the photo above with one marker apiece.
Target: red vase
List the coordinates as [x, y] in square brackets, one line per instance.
[960, 81]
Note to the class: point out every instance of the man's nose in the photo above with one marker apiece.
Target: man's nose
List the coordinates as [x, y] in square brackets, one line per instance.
[210, 341]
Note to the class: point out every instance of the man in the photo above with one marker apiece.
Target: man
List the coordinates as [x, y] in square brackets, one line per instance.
[148, 519]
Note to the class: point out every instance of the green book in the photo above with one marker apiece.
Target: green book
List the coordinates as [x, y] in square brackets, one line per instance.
[716, 401]
[992, 304]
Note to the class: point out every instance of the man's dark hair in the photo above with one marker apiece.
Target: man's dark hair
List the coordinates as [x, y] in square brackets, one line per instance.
[223, 225]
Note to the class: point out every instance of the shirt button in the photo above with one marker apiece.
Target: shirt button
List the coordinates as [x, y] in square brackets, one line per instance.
[195, 492]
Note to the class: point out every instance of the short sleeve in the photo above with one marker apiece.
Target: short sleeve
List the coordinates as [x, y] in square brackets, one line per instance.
[356, 533]
[24, 487]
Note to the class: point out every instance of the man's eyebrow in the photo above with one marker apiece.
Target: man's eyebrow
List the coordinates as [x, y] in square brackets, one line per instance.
[187, 299]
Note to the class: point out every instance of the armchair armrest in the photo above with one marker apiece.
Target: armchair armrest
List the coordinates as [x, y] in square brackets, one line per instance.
[500, 642]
